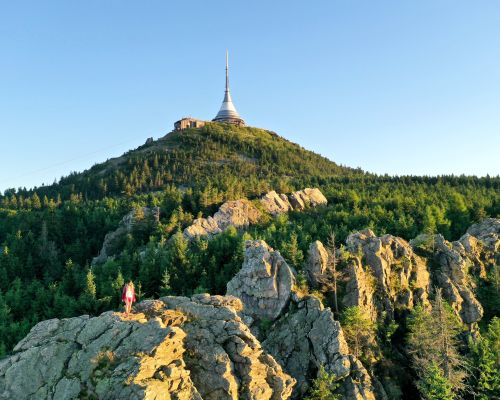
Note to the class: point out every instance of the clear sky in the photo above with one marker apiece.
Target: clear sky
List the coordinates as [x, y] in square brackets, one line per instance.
[397, 87]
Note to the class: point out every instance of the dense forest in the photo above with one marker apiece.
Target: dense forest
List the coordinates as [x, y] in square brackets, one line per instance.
[49, 235]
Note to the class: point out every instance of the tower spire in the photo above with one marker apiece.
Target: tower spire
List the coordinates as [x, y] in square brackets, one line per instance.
[227, 112]
[227, 71]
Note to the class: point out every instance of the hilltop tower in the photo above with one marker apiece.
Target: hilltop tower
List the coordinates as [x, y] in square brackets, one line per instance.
[227, 112]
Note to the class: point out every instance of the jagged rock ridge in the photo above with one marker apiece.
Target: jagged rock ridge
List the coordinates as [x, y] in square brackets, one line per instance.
[242, 213]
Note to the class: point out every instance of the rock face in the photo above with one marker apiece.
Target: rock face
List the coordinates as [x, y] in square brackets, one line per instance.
[242, 213]
[102, 357]
[264, 283]
[141, 216]
[177, 348]
[318, 269]
[307, 198]
[304, 334]
[399, 276]
[275, 203]
[237, 213]
[473, 254]
[308, 336]
[226, 361]
[487, 232]
[453, 276]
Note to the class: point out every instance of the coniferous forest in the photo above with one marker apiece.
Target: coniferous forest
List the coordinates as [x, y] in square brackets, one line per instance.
[49, 235]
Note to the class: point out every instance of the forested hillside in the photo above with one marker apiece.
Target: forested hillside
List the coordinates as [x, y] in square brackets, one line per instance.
[49, 235]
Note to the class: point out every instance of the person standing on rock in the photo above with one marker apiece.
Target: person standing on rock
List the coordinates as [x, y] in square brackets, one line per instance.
[128, 296]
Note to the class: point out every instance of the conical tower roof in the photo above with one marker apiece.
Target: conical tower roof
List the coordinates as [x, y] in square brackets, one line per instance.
[227, 112]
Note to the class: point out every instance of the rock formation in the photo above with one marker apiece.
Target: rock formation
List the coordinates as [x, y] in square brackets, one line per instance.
[307, 198]
[304, 334]
[306, 337]
[453, 277]
[264, 283]
[242, 213]
[389, 267]
[275, 203]
[176, 348]
[237, 213]
[102, 357]
[317, 267]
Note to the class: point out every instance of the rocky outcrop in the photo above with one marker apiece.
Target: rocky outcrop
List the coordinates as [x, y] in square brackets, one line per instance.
[389, 267]
[275, 203]
[481, 245]
[308, 197]
[174, 348]
[487, 232]
[475, 253]
[265, 282]
[104, 357]
[306, 337]
[242, 213]
[453, 277]
[140, 217]
[318, 268]
[237, 213]
[359, 287]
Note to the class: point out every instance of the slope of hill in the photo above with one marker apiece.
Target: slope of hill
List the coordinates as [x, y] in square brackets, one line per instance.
[215, 153]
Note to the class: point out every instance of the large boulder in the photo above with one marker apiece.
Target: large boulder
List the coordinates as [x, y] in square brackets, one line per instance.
[174, 348]
[265, 282]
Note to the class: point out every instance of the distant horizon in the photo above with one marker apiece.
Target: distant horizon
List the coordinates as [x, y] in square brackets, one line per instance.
[398, 89]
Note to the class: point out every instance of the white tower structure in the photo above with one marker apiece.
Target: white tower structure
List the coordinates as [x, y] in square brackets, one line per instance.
[227, 112]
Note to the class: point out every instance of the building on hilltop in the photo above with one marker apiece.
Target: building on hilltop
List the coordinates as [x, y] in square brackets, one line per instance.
[188, 122]
[227, 113]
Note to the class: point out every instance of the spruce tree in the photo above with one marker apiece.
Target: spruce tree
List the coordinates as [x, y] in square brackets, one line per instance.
[323, 386]
[434, 385]
[432, 339]
[359, 331]
[486, 361]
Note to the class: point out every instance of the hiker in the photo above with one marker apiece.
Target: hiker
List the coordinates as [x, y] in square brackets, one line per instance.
[128, 296]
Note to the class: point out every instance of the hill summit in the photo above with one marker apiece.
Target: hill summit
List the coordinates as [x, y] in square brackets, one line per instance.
[218, 153]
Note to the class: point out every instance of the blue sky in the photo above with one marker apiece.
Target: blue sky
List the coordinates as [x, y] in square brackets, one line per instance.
[397, 87]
